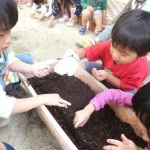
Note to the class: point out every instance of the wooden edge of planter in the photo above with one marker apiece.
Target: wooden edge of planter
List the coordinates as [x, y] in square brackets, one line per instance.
[125, 114]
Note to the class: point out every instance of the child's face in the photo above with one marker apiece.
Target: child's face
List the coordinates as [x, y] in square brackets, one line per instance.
[122, 56]
[5, 38]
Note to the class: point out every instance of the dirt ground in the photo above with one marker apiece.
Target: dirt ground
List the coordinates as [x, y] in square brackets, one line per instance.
[26, 131]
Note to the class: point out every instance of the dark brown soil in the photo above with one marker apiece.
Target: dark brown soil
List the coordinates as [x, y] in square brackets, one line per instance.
[101, 125]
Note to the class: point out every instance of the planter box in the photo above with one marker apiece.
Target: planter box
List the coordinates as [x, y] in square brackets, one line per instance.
[123, 113]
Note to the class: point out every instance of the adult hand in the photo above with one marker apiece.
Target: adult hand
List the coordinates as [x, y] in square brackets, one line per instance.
[99, 74]
[40, 70]
[125, 144]
[2, 146]
[56, 100]
[69, 64]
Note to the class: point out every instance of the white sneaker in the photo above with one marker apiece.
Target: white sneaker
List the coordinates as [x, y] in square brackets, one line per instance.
[70, 24]
[4, 122]
[63, 18]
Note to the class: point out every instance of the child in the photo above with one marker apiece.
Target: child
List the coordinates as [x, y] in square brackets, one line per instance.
[124, 64]
[106, 33]
[75, 10]
[140, 103]
[46, 8]
[10, 105]
[97, 9]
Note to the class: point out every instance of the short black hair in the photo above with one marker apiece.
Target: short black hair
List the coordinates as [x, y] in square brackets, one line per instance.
[141, 105]
[8, 14]
[38, 2]
[132, 32]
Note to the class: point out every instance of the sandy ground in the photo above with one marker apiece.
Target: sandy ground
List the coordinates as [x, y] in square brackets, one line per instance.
[26, 131]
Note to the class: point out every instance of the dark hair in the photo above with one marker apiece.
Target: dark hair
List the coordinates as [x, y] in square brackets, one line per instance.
[8, 14]
[38, 2]
[132, 32]
[141, 105]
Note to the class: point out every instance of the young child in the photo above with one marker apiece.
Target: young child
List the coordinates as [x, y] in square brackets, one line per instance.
[140, 103]
[64, 6]
[75, 10]
[96, 10]
[46, 8]
[124, 64]
[106, 33]
[10, 105]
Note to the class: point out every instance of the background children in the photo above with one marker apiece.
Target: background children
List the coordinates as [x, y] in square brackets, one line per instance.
[97, 9]
[123, 63]
[75, 10]
[140, 103]
[46, 8]
[106, 33]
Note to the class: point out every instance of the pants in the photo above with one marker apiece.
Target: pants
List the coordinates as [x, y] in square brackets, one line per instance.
[8, 147]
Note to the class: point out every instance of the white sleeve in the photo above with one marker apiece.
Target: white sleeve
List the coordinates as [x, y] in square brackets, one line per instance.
[44, 9]
[6, 104]
[11, 57]
[34, 8]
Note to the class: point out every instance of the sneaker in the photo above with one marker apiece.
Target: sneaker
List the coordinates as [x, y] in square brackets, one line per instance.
[82, 30]
[63, 18]
[70, 23]
[84, 43]
[4, 122]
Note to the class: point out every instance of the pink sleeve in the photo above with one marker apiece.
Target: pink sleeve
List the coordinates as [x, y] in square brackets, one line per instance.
[112, 96]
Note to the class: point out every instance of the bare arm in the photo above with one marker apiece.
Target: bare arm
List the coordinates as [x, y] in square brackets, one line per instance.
[23, 105]
[81, 53]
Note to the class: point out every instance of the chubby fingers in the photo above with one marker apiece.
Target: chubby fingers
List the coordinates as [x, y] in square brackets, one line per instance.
[64, 103]
[76, 122]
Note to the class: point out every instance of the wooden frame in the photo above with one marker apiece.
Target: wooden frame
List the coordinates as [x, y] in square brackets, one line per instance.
[124, 113]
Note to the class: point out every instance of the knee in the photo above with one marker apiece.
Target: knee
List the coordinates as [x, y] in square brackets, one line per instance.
[86, 13]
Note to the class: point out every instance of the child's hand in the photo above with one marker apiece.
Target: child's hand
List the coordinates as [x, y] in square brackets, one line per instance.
[40, 70]
[80, 119]
[82, 116]
[125, 144]
[56, 100]
[99, 74]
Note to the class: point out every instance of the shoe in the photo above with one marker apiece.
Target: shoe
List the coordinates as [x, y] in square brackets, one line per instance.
[70, 24]
[4, 122]
[16, 90]
[83, 43]
[82, 30]
[63, 18]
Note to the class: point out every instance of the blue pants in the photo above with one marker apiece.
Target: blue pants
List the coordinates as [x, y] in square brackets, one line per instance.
[8, 147]
[90, 65]
[26, 58]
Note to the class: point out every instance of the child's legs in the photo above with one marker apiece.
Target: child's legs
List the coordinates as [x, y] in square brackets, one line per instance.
[25, 57]
[97, 16]
[86, 14]
[8, 147]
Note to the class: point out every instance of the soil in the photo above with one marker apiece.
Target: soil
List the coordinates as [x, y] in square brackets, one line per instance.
[101, 125]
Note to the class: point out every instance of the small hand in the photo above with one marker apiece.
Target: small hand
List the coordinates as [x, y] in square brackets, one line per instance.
[40, 70]
[125, 144]
[99, 74]
[56, 100]
[80, 119]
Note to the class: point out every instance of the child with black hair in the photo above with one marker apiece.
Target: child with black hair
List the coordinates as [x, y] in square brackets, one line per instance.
[10, 65]
[67, 6]
[124, 64]
[46, 8]
[140, 103]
